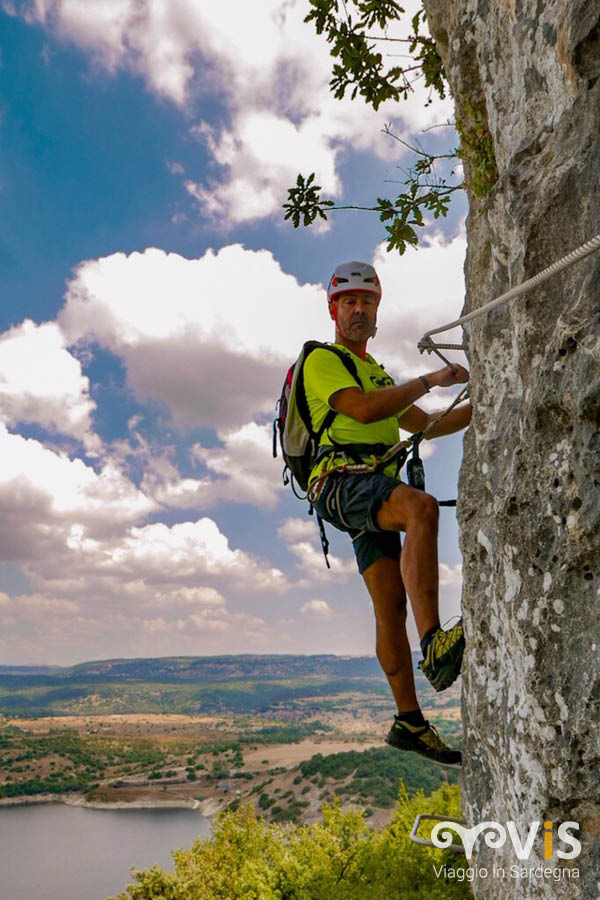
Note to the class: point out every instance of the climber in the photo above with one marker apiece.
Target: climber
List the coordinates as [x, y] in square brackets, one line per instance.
[374, 507]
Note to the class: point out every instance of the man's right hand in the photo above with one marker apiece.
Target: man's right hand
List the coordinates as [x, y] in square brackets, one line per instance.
[449, 375]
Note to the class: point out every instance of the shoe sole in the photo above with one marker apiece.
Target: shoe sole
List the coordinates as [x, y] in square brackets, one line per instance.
[450, 670]
[409, 746]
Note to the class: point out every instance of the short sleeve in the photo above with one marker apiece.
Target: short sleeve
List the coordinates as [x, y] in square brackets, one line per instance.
[324, 374]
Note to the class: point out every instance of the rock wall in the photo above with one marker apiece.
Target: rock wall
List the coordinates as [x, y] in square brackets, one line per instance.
[528, 72]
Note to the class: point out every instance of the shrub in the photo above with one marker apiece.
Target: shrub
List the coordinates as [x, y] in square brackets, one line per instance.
[336, 859]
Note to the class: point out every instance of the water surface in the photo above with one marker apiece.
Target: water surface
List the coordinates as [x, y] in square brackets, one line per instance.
[51, 851]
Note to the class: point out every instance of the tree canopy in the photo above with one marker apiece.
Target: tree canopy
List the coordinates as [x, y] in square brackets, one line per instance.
[338, 859]
[361, 69]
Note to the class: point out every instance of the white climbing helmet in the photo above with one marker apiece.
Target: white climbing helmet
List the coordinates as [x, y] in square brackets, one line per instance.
[353, 276]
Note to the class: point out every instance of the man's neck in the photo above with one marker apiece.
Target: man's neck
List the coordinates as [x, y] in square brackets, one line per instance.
[359, 348]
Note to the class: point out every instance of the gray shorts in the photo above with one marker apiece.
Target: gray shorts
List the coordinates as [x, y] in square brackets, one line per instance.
[351, 502]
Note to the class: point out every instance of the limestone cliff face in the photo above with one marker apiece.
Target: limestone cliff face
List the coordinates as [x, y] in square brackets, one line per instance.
[529, 511]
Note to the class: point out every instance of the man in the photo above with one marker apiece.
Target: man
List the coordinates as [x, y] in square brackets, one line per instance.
[375, 507]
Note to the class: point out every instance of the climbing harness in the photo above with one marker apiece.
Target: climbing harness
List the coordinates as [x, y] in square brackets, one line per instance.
[427, 344]
[399, 454]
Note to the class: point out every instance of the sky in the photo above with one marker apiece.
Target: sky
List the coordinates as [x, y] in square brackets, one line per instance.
[151, 301]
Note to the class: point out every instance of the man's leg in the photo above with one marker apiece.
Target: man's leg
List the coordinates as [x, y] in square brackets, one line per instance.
[416, 513]
[384, 583]
[410, 730]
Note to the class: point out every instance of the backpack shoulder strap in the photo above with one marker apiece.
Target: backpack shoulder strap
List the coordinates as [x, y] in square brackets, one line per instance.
[347, 361]
[348, 364]
[345, 358]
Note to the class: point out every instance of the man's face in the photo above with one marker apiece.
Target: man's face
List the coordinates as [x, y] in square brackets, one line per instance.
[357, 314]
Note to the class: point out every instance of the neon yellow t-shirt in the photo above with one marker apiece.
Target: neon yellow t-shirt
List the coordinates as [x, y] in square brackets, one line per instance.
[324, 374]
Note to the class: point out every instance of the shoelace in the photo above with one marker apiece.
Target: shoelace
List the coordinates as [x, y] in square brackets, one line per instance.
[436, 742]
[429, 735]
[445, 639]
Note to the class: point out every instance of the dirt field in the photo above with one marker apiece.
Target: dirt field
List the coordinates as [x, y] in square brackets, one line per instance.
[355, 727]
[272, 756]
[134, 725]
[171, 727]
[356, 722]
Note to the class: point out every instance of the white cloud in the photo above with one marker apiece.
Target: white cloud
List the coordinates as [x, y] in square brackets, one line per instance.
[44, 495]
[210, 338]
[205, 621]
[154, 625]
[309, 560]
[263, 157]
[42, 627]
[148, 592]
[205, 337]
[74, 533]
[450, 575]
[155, 566]
[243, 470]
[42, 383]
[283, 116]
[247, 471]
[174, 167]
[47, 605]
[184, 553]
[296, 530]
[272, 73]
[225, 622]
[197, 596]
[303, 542]
[316, 607]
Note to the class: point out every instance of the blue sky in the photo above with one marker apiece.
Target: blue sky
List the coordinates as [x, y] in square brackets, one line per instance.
[152, 299]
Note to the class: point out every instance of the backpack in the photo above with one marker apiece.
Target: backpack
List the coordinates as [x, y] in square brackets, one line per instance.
[298, 441]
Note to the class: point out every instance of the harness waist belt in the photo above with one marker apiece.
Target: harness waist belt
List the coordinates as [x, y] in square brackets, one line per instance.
[351, 450]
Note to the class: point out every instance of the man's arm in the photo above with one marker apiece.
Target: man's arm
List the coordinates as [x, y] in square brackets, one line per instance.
[371, 406]
[457, 419]
[416, 419]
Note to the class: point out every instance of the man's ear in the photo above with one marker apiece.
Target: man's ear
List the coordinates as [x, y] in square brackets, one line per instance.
[333, 310]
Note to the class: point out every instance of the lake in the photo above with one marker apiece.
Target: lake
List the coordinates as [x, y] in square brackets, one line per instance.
[50, 851]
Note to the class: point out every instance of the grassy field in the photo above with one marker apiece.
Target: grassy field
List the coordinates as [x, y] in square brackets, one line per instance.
[281, 733]
[211, 763]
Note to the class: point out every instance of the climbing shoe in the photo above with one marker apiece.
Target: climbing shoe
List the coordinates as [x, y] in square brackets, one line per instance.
[423, 739]
[443, 657]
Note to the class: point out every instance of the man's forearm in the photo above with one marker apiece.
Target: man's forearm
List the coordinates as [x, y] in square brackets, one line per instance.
[390, 401]
[372, 406]
[457, 419]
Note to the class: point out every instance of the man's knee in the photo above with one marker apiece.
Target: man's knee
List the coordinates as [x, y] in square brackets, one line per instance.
[391, 616]
[407, 506]
[389, 646]
[391, 669]
[426, 508]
